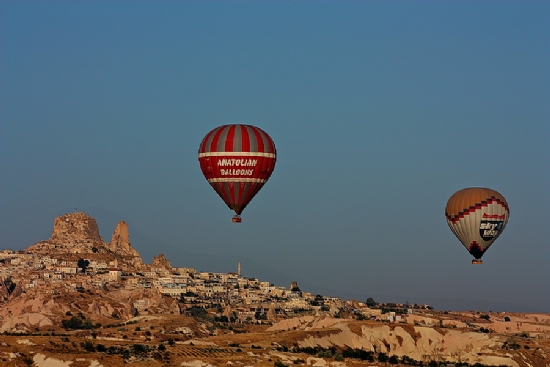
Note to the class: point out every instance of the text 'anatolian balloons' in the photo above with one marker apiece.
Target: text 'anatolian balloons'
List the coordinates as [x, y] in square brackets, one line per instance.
[237, 160]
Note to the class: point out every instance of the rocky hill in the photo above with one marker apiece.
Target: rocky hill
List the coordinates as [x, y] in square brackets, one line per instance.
[76, 235]
[76, 300]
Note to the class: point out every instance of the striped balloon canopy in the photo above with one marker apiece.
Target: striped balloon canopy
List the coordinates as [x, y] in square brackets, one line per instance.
[237, 160]
[477, 216]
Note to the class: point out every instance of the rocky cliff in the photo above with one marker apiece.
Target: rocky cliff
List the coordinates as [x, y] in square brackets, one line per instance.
[120, 245]
[78, 233]
[75, 233]
[76, 227]
[416, 342]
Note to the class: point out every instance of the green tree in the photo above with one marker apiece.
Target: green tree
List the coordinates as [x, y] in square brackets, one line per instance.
[139, 348]
[198, 312]
[72, 323]
[371, 302]
[83, 264]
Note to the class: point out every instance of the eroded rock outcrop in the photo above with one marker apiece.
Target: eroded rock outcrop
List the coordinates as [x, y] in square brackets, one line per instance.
[75, 233]
[161, 262]
[418, 342]
[75, 227]
[78, 233]
[120, 241]
[120, 245]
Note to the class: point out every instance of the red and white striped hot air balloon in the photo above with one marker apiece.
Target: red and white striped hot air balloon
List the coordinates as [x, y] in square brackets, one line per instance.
[237, 160]
[477, 216]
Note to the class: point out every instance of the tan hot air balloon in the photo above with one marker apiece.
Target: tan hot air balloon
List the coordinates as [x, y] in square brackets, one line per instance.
[477, 216]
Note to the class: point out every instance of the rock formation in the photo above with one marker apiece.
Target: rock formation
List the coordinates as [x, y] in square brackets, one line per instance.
[120, 240]
[418, 342]
[75, 227]
[161, 261]
[120, 245]
[75, 233]
[78, 233]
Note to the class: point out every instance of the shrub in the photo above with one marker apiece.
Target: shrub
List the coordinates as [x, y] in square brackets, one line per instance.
[382, 357]
[88, 346]
[324, 354]
[198, 312]
[139, 348]
[358, 354]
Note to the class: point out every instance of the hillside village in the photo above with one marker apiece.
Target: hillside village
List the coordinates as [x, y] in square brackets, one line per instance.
[76, 259]
[77, 283]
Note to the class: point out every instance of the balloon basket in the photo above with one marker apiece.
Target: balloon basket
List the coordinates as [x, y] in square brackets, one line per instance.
[236, 219]
[477, 262]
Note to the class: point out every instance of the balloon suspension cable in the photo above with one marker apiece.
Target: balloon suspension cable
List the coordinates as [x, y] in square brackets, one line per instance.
[236, 219]
[477, 261]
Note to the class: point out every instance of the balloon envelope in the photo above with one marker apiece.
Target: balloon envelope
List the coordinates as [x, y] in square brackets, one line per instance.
[237, 160]
[477, 216]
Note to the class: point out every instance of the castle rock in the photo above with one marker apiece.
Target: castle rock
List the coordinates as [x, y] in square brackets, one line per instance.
[75, 233]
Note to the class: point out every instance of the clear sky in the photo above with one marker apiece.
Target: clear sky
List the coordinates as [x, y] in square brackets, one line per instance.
[380, 111]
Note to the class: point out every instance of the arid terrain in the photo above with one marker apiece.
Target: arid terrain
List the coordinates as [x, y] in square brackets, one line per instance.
[75, 300]
[176, 340]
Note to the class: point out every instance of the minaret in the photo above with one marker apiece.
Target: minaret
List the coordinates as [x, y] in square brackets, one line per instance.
[239, 269]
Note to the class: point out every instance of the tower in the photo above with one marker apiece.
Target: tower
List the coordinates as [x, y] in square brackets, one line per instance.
[239, 269]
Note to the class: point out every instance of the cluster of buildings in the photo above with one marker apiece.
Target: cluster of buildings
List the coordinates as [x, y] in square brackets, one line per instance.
[34, 273]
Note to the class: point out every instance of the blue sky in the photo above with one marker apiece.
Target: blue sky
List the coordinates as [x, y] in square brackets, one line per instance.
[380, 111]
